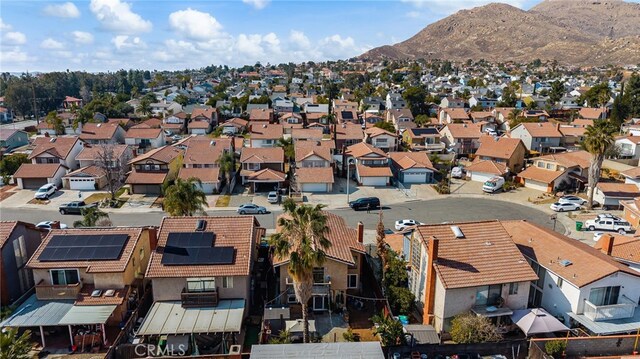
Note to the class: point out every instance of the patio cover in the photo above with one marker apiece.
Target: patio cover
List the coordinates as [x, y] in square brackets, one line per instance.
[609, 327]
[275, 313]
[360, 350]
[87, 314]
[537, 321]
[423, 334]
[172, 318]
[36, 313]
[295, 326]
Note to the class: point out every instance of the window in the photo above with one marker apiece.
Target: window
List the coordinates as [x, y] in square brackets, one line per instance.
[540, 164]
[559, 282]
[549, 166]
[604, 295]
[20, 251]
[318, 275]
[352, 281]
[141, 253]
[488, 295]
[513, 288]
[201, 284]
[227, 282]
[64, 276]
[356, 260]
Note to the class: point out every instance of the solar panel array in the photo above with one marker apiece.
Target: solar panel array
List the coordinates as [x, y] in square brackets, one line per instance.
[84, 247]
[186, 248]
[347, 115]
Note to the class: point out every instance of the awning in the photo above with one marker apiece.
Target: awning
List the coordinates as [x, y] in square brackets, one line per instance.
[423, 334]
[36, 313]
[275, 313]
[172, 318]
[577, 177]
[296, 326]
[491, 311]
[87, 314]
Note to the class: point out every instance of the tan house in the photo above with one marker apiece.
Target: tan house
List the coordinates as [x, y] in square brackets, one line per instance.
[108, 132]
[51, 158]
[507, 151]
[201, 161]
[153, 169]
[463, 138]
[314, 166]
[551, 172]
[263, 168]
[379, 138]
[423, 139]
[347, 134]
[371, 164]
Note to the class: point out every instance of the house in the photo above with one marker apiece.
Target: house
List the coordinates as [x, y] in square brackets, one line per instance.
[632, 176]
[483, 170]
[339, 276]
[206, 114]
[264, 135]
[540, 115]
[577, 282]
[344, 105]
[542, 137]
[282, 106]
[482, 116]
[144, 139]
[412, 167]
[12, 138]
[581, 122]
[18, 241]
[628, 147]
[609, 194]
[402, 118]
[381, 139]
[87, 282]
[461, 267]
[485, 102]
[423, 139]
[151, 170]
[572, 137]
[175, 123]
[291, 118]
[623, 249]
[68, 124]
[592, 113]
[97, 133]
[462, 138]
[453, 115]
[70, 102]
[569, 102]
[501, 115]
[314, 171]
[395, 101]
[306, 134]
[322, 109]
[201, 274]
[51, 158]
[201, 161]
[347, 134]
[504, 150]
[553, 172]
[234, 126]
[263, 168]
[6, 115]
[452, 102]
[370, 120]
[261, 115]
[371, 164]
[347, 116]
[631, 212]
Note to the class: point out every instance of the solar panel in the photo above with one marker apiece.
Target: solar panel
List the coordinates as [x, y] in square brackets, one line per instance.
[195, 248]
[85, 247]
[190, 239]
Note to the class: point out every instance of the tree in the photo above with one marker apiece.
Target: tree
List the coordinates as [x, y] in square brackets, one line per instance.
[302, 239]
[597, 95]
[632, 95]
[56, 122]
[509, 98]
[287, 145]
[145, 106]
[114, 167]
[385, 125]
[226, 162]
[13, 346]
[468, 328]
[10, 164]
[185, 198]
[556, 93]
[598, 138]
[620, 109]
[422, 120]
[381, 245]
[284, 337]
[181, 99]
[391, 331]
[401, 299]
[415, 97]
[93, 217]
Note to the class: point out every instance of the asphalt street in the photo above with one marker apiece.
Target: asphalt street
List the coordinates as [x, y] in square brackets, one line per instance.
[431, 211]
[18, 125]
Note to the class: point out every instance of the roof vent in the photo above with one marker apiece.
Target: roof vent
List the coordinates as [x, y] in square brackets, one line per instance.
[212, 143]
[96, 293]
[565, 262]
[264, 126]
[457, 232]
[201, 225]
[110, 293]
[540, 124]
[98, 125]
[52, 140]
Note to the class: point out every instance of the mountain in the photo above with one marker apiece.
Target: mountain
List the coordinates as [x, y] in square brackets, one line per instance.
[575, 32]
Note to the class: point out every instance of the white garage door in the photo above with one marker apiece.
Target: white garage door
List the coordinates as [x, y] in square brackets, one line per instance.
[374, 181]
[481, 176]
[208, 188]
[82, 184]
[314, 187]
[537, 185]
[415, 177]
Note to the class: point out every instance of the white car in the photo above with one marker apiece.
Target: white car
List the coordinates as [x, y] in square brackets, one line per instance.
[273, 197]
[47, 225]
[573, 199]
[608, 224]
[563, 207]
[406, 223]
[45, 191]
[457, 172]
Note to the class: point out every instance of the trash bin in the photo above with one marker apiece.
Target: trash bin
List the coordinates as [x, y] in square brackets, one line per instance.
[579, 226]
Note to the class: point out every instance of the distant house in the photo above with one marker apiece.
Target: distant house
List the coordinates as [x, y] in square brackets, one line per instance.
[592, 113]
[12, 138]
[18, 242]
[462, 138]
[234, 125]
[485, 102]
[151, 170]
[306, 134]
[262, 168]
[622, 248]
[542, 137]
[70, 102]
[632, 176]
[90, 176]
[102, 133]
[453, 115]
[402, 119]
[423, 139]
[572, 137]
[316, 108]
[261, 115]
[628, 147]
[412, 167]
[507, 151]
[452, 102]
[347, 134]
[371, 164]
[380, 138]
[51, 158]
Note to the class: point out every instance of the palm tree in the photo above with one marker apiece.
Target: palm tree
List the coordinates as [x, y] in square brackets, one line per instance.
[287, 146]
[598, 139]
[302, 240]
[381, 245]
[513, 117]
[13, 346]
[93, 217]
[226, 163]
[145, 106]
[56, 122]
[185, 198]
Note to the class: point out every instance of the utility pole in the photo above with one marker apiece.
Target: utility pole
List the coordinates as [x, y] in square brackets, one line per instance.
[35, 109]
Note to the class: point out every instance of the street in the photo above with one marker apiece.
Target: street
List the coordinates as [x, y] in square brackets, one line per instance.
[431, 211]
[18, 125]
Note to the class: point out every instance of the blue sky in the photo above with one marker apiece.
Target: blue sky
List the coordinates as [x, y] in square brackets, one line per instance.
[107, 35]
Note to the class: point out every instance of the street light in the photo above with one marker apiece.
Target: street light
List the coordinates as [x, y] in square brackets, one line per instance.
[349, 161]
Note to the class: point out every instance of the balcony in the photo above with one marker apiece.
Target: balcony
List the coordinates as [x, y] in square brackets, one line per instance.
[318, 288]
[623, 310]
[199, 299]
[50, 291]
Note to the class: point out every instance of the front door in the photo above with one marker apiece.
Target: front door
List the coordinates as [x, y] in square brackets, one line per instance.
[319, 302]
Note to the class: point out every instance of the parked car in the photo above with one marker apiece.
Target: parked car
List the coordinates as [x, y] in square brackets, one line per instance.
[609, 224]
[273, 197]
[597, 235]
[608, 216]
[75, 207]
[573, 199]
[457, 172]
[250, 208]
[493, 185]
[48, 225]
[176, 137]
[490, 132]
[404, 223]
[168, 133]
[562, 207]
[45, 191]
[365, 203]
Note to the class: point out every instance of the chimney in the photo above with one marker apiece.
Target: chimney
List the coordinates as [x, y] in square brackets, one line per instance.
[360, 232]
[430, 289]
[153, 237]
[607, 244]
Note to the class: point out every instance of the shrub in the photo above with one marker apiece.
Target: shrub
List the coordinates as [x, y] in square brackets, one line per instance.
[469, 328]
[401, 299]
[350, 336]
[555, 348]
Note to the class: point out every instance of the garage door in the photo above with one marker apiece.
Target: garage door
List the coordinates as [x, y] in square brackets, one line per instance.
[481, 176]
[208, 188]
[82, 184]
[33, 183]
[314, 187]
[147, 189]
[537, 185]
[414, 177]
[374, 181]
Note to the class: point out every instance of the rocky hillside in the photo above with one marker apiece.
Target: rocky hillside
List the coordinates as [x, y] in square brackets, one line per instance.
[569, 31]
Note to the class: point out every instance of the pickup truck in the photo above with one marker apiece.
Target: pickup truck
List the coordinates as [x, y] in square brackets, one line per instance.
[609, 224]
[75, 207]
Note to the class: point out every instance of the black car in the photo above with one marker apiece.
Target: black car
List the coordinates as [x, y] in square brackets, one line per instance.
[365, 203]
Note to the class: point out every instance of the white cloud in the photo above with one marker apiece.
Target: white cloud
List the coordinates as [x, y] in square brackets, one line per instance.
[66, 10]
[81, 37]
[51, 44]
[257, 4]
[194, 24]
[15, 38]
[116, 16]
[446, 7]
[414, 14]
[4, 25]
[15, 56]
[299, 39]
[128, 43]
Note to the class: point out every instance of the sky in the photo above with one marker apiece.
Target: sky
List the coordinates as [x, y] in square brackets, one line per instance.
[108, 35]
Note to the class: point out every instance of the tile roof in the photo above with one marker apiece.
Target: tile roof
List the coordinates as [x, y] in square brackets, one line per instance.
[569, 159]
[267, 174]
[39, 170]
[241, 232]
[206, 175]
[480, 115]
[6, 228]
[343, 240]
[91, 170]
[400, 112]
[540, 174]
[305, 149]
[363, 149]
[203, 150]
[260, 114]
[236, 122]
[164, 154]
[619, 190]
[198, 124]
[314, 175]
[487, 166]
[136, 132]
[632, 173]
[456, 113]
[262, 155]
[407, 160]
[368, 171]
[572, 131]
[56, 146]
[102, 266]
[548, 248]
[377, 131]
[207, 112]
[266, 131]
[503, 147]
[99, 131]
[306, 133]
[631, 138]
[582, 122]
[136, 177]
[349, 131]
[91, 152]
[464, 130]
[624, 247]
[590, 113]
[486, 255]
[540, 129]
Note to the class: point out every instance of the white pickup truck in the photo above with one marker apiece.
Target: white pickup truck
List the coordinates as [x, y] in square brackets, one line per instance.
[608, 224]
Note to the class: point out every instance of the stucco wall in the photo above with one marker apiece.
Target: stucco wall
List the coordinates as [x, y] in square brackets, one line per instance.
[171, 288]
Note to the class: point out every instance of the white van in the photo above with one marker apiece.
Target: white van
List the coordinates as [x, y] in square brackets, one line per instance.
[493, 185]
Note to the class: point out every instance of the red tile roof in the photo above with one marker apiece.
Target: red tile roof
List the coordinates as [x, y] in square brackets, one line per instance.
[55, 146]
[619, 190]
[40, 170]
[262, 155]
[487, 166]
[367, 171]
[624, 247]
[206, 175]
[164, 154]
[99, 131]
[149, 133]
[314, 175]
[91, 152]
[502, 148]
[406, 160]
[136, 177]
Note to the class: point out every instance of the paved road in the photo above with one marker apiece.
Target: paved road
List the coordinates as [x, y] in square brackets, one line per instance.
[432, 211]
[19, 125]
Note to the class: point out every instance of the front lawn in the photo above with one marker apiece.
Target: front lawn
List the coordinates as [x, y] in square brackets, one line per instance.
[223, 201]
